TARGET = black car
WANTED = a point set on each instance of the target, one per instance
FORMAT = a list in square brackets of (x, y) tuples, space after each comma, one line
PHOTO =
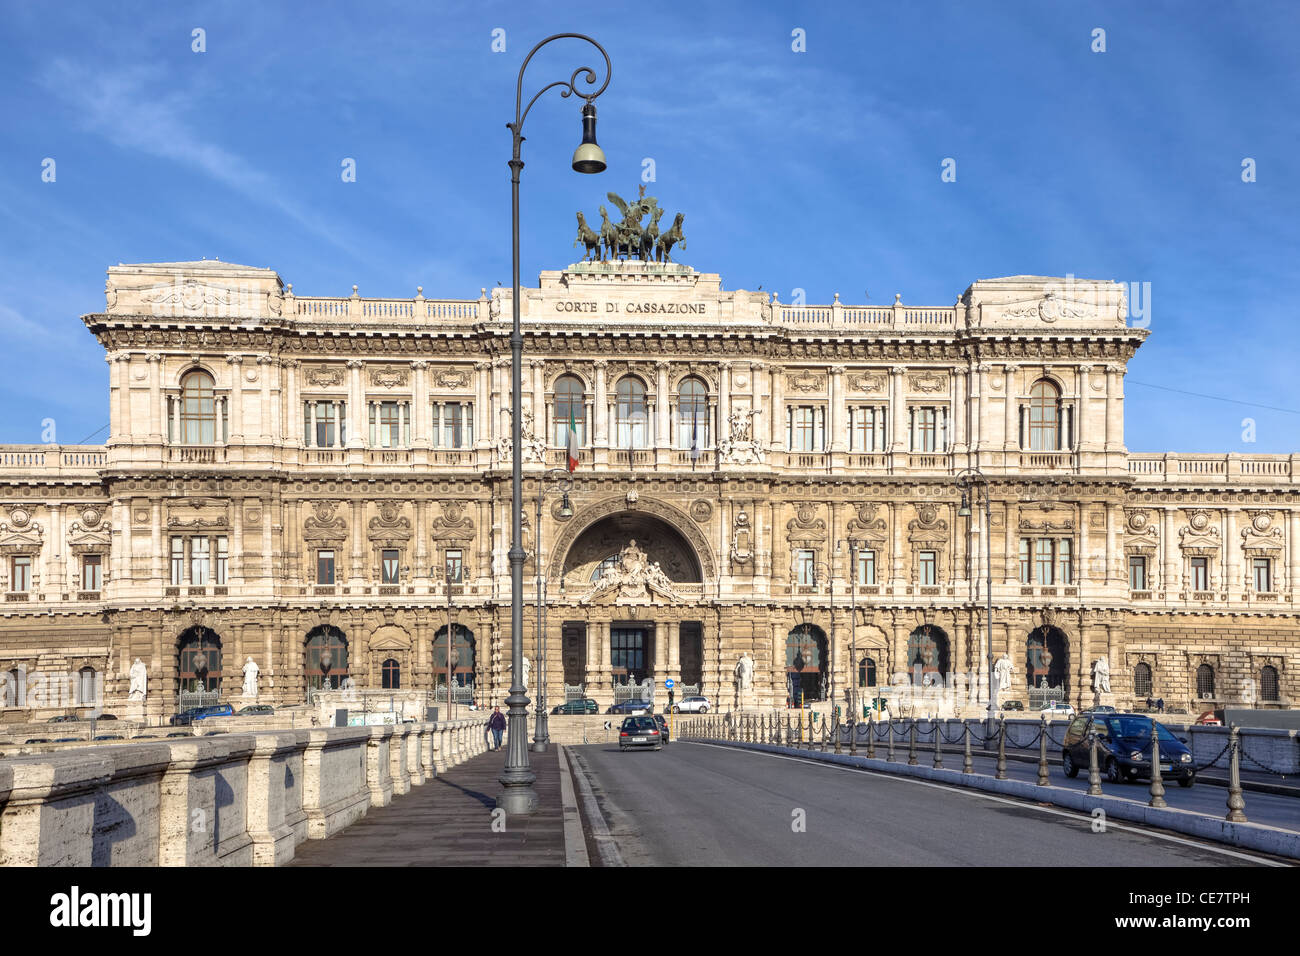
[(640, 731), (583, 706), (631, 707), (664, 732), (1124, 748), (1013, 705)]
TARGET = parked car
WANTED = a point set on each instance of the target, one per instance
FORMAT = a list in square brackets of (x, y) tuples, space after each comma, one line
[(105, 717), (1104, 709), (631, 707), (584, 705), (1056, 709), (67, 740), (642, 731), (1210, 718), (692, 705), (187, 717), (256, 709), (38, 740), (662, 721), (1013, 705), (1124, 748), (109, 737), (63, 719)]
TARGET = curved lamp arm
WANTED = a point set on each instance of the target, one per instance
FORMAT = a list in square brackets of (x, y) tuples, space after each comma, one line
[(570, 87)]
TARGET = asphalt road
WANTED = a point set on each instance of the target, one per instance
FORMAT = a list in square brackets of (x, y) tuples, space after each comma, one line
[(701, 805)]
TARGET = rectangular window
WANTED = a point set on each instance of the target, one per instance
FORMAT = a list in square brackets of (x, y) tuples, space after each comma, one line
[(1026, 569), (325, 567), (388, 567), (326, 424), (1137, 573), (223, 561), (92, 572), (178, 560), (925, 430), (388, 425), (1263, 574), (806, 428), (867, 428), (1064, 573), (866, 567), (21, 569), (1200, 574), (928, 568), (454, 567), (805, 568), (1043, 560), (199, 561)]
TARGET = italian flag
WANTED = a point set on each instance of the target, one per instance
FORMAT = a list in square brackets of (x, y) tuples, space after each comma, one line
[(573, 443)]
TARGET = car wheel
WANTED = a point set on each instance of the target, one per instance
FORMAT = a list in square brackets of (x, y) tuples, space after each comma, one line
[(1113, 773), (1067, 762), (1187, 780), (659, 746), (704, 710)]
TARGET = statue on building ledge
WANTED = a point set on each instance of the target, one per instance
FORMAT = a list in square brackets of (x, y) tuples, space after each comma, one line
[(632, 575), (740, 446)]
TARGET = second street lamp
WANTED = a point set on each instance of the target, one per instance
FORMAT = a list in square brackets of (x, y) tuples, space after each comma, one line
[(967, 480), (519, 797)]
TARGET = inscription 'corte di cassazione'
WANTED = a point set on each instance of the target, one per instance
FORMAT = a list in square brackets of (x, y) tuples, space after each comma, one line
[(644, 308)]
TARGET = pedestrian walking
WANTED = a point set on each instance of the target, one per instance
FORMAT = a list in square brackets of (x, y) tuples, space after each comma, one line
[(497, 724)]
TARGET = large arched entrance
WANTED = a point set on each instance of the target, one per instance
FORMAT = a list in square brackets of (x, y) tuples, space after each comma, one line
[(1047, 661), (325, 658), (460, 668), (805, 663), (927, 655), (198, 666), (599, 547)]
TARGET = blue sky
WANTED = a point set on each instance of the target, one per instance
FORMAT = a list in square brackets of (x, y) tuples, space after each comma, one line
[(817, 170)]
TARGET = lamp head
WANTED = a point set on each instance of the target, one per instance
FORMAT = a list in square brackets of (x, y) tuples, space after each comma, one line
[(588, 157), (566, 509), (964, 510)]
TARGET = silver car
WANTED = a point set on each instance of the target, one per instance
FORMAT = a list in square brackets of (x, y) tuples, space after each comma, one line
[(692, 705)]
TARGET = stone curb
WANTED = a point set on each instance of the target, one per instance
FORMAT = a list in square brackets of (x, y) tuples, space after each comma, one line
[(1251, 836), (575, 843)]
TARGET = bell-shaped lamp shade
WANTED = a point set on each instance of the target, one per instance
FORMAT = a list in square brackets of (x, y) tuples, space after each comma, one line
[(964, 510), (566, 509), (589, 158)]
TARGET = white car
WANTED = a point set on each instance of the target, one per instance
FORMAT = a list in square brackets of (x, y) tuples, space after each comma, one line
[(1056, 709), (692, 705)]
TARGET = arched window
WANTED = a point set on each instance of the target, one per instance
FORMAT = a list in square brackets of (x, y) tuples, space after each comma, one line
[(392, 675), (867, 672), (805, 663), (927, 655), (1268, 689), (692, 414), (199, 660), (198, 409), (326, 660), (87, 693), (462, 657), (1044, 417), (570, 406), (1142, 680), (630, 413), (1205, 682)]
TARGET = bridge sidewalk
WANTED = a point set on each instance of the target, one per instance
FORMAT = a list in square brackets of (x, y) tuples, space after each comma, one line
[(448, 822)]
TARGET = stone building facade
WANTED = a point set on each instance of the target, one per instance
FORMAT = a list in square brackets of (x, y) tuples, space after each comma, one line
[(321, 484)]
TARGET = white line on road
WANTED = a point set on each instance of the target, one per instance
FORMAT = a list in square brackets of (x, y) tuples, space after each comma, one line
[(575, 843), (1069, 814), (609, 855)]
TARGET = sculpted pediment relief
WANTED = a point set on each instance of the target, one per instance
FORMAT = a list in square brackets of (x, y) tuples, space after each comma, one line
[(453, 525), (927, 526), (1261, 535), (389, 526), (1199, 535), (632, 578), (325, 524)]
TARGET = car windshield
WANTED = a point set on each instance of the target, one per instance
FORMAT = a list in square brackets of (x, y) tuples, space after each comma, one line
[(1138, 728)]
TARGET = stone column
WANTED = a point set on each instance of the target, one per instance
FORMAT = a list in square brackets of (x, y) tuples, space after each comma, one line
[(662, 423), (896, 530), (601, 403), (724, 399), (674, 649), (897, 409), (482, 411), (1011, 430), (537, 367), (420, 430), (236, 569), (777, 412), (1011, 554), (265, 414), (1113, 557), (1292, 546), (960, 409), (1115, 408), (1232, 582), (360, 423), (837, 411), (1083, 434), (161, 546), (1171, 580), (236, 399), (292, 404), (155, 398)]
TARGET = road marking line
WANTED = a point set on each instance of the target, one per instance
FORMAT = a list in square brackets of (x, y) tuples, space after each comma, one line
[(609, 855), (1073, 815), (575, 843)]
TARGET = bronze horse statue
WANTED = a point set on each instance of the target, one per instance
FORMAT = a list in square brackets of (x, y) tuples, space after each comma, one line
[(608, 235), (664, 247), (588, 237), (650, 234)]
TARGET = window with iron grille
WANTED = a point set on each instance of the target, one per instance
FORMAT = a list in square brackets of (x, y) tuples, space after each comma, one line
[(1268, 688), (1142, 680), (867, 672), (1205, 682)]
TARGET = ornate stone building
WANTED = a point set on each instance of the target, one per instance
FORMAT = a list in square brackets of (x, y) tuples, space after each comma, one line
[(320, 484)]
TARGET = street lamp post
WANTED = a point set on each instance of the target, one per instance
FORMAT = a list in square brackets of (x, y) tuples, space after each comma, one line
[(519, 797), (563, 483), (853, 628), (966, 480)]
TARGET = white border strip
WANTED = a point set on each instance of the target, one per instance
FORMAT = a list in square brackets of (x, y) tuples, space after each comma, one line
[(575, 844)]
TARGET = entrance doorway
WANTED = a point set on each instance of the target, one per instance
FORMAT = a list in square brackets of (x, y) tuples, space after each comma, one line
[(629, 654), (805, 664)]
